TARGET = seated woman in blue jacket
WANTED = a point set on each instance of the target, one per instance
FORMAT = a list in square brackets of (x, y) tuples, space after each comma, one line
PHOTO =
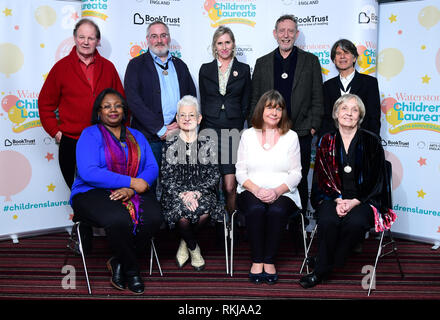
[(115, 168)]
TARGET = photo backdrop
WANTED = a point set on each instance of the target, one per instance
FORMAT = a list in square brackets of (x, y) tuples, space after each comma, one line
[(36, 34), (409, 81)]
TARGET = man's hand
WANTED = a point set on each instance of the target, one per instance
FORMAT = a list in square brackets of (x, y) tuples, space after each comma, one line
[(170, 128), (58, 136)]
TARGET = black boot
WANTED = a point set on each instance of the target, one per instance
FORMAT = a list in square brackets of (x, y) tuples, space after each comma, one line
[(117, 280)]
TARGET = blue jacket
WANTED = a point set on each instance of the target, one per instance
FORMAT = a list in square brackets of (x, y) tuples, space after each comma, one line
[(92, 172)]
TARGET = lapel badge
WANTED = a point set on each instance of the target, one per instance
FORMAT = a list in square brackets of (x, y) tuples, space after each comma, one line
[(235, 73)]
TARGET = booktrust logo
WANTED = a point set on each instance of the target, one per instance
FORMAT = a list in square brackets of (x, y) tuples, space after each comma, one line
[(412, 112), (222, 12), (22, 110)]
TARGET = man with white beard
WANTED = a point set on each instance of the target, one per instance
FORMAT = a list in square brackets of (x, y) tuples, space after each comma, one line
[(154, 82)]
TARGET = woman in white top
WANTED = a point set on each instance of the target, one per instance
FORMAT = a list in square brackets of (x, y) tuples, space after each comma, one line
[(268, 171)]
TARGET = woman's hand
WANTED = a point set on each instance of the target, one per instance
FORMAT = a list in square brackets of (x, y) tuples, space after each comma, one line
[(139, 185), (190, 199), (267, 195), (122, 194), (344, 206)]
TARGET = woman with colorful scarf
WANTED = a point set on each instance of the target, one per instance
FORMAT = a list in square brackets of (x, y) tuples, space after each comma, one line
[(350, 188), (115, 167)]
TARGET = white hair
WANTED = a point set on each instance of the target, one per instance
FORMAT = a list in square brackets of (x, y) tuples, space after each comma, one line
[(188, 101)]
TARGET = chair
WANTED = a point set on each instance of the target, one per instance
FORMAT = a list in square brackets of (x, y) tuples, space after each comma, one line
[(293, 216), (75, 244), (388, 199), (388, 172)]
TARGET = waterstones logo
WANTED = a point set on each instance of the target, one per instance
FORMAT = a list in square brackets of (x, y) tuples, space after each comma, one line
[(412, 112)]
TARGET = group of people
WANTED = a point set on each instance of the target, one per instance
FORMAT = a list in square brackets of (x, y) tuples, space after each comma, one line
[(118, 143)]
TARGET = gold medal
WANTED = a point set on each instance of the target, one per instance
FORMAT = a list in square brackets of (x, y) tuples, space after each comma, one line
[(165, 73)]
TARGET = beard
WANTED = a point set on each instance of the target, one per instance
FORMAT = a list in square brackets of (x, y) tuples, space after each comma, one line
[(160, 51)]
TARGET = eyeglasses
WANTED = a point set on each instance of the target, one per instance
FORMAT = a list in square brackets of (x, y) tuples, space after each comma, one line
[(190, 116), (109, 107), (162, 36)]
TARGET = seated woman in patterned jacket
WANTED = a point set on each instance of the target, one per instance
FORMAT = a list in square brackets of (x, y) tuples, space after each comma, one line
[(189, 177)]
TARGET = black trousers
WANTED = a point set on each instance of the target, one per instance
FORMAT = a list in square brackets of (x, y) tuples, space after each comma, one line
[(94, 207), (67, 159), (305, 143), (265, 224), (337, 236)]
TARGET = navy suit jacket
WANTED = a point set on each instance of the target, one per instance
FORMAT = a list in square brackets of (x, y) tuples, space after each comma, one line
[(367, 88), (143, 92), (238, 91)]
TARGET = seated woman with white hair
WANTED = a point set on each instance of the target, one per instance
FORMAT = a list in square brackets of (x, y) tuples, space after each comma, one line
[(349, 190), (189, 177)]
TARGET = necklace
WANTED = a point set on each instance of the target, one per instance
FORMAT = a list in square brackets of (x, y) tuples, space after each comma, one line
[(347, 168), (164, 68)]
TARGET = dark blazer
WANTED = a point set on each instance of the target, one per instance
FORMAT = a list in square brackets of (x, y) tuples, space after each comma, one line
[(238, 91), (366, 87), (142, 89), (307, 97)]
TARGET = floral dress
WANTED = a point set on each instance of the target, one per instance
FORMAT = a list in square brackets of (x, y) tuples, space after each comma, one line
[(190, 167)]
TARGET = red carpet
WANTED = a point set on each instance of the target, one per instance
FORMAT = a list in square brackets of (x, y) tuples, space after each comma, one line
[(32, 269)]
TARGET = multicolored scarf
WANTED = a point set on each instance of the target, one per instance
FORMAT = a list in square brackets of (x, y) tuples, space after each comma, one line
[(327, 179), (118, 162)]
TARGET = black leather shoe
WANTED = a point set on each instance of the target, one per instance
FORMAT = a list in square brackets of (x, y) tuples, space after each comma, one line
[(135, 284), (117, 279), (257, 277), (271, 278), (310, 280)]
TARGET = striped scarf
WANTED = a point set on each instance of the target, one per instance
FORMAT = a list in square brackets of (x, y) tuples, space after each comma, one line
[(117, 161)]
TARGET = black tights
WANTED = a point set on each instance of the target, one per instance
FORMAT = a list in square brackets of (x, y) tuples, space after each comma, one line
[(265, 224), (188, 231)]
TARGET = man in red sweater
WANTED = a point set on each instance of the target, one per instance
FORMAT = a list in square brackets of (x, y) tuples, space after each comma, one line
[(71, 88)]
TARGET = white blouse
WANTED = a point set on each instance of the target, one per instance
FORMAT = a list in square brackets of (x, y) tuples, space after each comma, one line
[(269, 168)]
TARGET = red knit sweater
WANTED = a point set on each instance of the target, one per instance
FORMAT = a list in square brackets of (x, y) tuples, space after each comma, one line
[(67, 89)]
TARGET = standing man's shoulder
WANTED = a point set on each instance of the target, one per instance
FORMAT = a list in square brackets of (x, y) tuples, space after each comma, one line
[(366, 77), (266, 57), (307, 55), (140, 59)]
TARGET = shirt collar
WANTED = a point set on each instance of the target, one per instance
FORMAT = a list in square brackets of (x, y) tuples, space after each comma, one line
[(347, 78), (157, 59), (91, 61)]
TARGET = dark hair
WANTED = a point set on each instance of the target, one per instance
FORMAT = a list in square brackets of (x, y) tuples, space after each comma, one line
[(85, 20), (346, 46), (286, 17), (275, 99), (98, 101)]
